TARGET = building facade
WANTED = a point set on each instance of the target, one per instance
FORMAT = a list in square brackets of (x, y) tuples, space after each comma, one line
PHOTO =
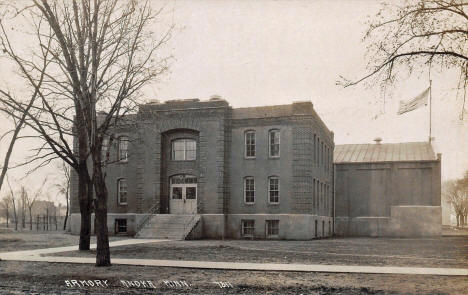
[(260, 172), (387, 190)]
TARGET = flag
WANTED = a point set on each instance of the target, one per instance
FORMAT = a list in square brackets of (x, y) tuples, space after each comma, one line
[(414, 103)]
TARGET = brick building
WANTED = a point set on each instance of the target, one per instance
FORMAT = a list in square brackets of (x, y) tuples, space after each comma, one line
[(202, 169), (205, 169)]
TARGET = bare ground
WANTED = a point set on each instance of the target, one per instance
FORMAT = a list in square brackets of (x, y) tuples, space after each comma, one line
[(49, 278), (434, 252), (29, 240)]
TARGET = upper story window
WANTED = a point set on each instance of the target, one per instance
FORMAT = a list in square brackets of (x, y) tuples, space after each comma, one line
[(122, 191), (249, 190), (184, 149), (250, 144), (274, 138), (104, 148), (273, 190), (123, 148)]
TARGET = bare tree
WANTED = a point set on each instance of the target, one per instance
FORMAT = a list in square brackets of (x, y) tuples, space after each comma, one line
[(23, 201), (417, 35), (31, 199), (64, 188), (12, 201), (99, 55), (456, 193), (5, 203)]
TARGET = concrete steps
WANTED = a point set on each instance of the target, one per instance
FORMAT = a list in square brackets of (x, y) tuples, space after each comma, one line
[(168, 226)]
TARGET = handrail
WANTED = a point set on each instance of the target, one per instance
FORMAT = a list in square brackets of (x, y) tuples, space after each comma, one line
[(190, 225), (146, 218)]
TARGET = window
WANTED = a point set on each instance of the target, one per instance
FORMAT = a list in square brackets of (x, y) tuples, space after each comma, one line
[(248, 228), (272, 228), (321, 153), (176, 193), (183, 178), (250, 144), (122, 191), (123, 148), (120, 226), (317, 151), (184, 149), (104, 148), (313, 193), (316, 233), (249, 190), (325, 160), (273, 190), (319, 195), (315, 148), (274, 136)]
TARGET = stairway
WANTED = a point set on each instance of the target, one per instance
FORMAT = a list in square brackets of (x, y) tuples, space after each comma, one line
[(168, 226)]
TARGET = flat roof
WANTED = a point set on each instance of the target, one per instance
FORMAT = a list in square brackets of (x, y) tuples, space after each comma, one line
[(386, 152)]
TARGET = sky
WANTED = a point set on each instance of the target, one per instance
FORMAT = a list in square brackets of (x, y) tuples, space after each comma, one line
[(255, 53)]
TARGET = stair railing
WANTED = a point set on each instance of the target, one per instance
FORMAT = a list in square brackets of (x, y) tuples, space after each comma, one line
[(146, 218), (189, 224)]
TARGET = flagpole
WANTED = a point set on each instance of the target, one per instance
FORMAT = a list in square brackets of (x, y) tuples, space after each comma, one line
[(430, 111)]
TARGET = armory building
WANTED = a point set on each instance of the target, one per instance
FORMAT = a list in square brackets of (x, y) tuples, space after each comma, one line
[(205, 169), (202, 169)]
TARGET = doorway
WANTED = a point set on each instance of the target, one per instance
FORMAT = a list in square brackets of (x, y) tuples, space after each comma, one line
[(183, 194)]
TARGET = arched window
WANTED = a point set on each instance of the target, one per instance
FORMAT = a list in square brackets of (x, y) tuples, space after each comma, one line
[(122, 191), (104, 148), (274, 146), (184, 149), (273, 190), (123, 148), (249, 190)]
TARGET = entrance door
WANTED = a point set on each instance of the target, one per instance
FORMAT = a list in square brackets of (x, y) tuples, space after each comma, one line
[(183, 194)]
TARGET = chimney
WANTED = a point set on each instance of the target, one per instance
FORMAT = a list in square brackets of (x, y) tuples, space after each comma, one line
[(378, 140)]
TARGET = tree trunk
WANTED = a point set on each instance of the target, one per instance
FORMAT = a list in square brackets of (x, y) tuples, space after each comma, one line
[(30, 219), (23, 216), (66, 214), (15, 215), (7, 216), (458, 220), (102, 235), (85, 197)]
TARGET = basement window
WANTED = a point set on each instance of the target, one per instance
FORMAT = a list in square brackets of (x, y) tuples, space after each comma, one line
[(272, 228), (121, 226), (248, 228)]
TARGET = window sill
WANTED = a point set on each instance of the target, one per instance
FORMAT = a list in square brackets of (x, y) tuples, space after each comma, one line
[(122, 204), (249, 204), (249, 158), (273, 204), (273, 157)]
